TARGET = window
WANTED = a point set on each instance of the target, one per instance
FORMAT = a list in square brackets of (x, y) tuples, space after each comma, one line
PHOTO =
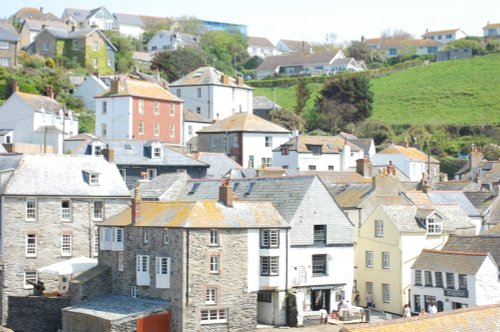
[(156, 129), (151, 173), (311, 167), (142, 269), (104, 130), (418, 277), (31, 245), (386, 260), (319, 265), (66, 210), (93, 179), (268, 141), (251, 162), (213, 316), (235, 142), (214, 264), (4, 62), (393, 52), (369, 258), (434, 226), (214, 237), (331, 168), (96, 242), (178, 93), (157, 151), (95, 46), (449, 36), (439, 279), (95, 62), (66, 244), (4, 45), (284, 150), (140, 129), (211, 296), (162, 272), (172, 130), (264, 296), (123, 173), (141, 106), (75, 45), (31, 276), (172, 110), (165, 236), (266, 162), (369, 287), (428, 278), (156, 108), (315, 149), (104, 108), (133, 292), (198, 92), (386, 293), (45, 45), (190, 130), (145, 235), (223, 145), (119, 261), (379, 228), (198, 110), (450, 280), (269, 265), (30, 209), (319, 234), (462, 281), (269, 238)]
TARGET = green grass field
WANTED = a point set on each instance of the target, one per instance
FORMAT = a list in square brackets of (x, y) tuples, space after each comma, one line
[(452, 92)]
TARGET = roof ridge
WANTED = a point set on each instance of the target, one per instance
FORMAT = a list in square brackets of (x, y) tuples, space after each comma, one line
[(457, 252)]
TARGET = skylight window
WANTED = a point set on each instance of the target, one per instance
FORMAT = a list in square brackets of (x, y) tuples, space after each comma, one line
[(128, 147), (194, 188), (197, 74)]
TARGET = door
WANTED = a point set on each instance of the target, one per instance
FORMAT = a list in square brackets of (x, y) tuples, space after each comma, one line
[(320, 299), (154, 323)]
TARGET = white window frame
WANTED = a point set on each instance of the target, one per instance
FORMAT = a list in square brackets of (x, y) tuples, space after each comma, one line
[(31, 245), (190, 130), (4, 62), (98, 212), (93, 179), (214, 264), (156, 129), (4, 45), (140, 106), (171, 130), (266, 162), (156, 151), (66, 211), (386, 293), (133, 292), (66, 245), (269, 266), (140, 128), (172, 109), (379, 228), (386, 260), (268, 141), (214, 238), (31, 209), (156, 107), (28, 275), (369, 259), (213, 316), (211, 295), (119, 261), (434, 225), (151, 173), (270, 238), (142, 270), (165, 236), (162, 272)]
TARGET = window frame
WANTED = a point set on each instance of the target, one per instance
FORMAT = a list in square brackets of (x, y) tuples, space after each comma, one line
[(140, 106), (428, 282), (214, 264), (25, 277), (439, 280), (98, 212), (268, 141), (266, 162), (214, 238), (386, 260), (386, 293), (171, 131), (320, 235), (434, 225), (31, 245), (269, 266), (151, 173), (324, 265), (418, 278), (462, 281), (66, 245), (172, 109), (66, 212), (213, 316), (140, 128), (449, 277), (269, 238), (369, 259), (156, 107), (379, 228), (165, 236), (156, 129), (31, 211), (211, 295)]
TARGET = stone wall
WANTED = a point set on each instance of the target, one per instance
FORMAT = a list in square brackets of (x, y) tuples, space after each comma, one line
[(77, 322), (36, 313), (91, 284)]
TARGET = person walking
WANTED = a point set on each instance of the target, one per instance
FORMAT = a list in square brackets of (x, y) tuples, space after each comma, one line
[(323, 316), (406, 311), (432, 308), (369, 300), (357, 298)]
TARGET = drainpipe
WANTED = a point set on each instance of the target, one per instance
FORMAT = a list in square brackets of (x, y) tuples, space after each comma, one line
[(287, 305), (187, 267)]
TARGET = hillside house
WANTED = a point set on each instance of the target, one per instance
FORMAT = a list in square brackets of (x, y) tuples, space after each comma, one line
[(129, 25), (139, 110), (32, 13), (444, 36), (491, 30), (392, 47), (165, 40), (99, 18), (32, 27), (261, 47), (9, 46), (213, 94), (289, 46)]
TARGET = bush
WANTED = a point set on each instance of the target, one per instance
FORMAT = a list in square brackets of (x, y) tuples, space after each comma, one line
[(50, 63)]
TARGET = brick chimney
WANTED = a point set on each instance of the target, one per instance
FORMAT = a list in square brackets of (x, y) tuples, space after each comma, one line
[(225, 79), (226, 193), (391, 169), (364, 167), (136, 204), (239, 80), (109, 155), (475, 157)]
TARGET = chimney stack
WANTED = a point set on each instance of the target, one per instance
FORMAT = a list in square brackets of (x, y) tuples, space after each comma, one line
[(136, 204), (50, 91), (225, 79), (226, 193), (391, 170), (239, 80), (364, 167), (109, 155), (476, 156), (115, 86), (406, 144)]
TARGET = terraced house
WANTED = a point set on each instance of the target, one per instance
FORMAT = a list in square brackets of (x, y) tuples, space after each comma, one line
[(89, 48)]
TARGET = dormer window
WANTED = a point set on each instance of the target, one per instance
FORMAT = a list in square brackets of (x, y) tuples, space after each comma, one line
[(92, 178), (284, 150), (315, 149), (156, 150), (96, 148), (432, 222)]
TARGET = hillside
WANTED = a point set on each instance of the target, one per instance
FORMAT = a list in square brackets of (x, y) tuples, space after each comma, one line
[(453, 92)]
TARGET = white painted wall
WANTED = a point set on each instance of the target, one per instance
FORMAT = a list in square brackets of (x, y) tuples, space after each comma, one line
[(90, 88), (130, 30), (302, 161), (118, 118), (195, 126), (160, 41), (254, 144)]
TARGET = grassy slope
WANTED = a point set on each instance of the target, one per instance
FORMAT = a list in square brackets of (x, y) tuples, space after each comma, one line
[(453, 92)]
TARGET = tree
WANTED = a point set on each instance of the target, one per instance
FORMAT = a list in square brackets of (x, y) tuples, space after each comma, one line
[(302, 94), (175, 64), (226, 51), (398, 34), (491, 152), (286, 119), (190, 25), (473, 44), (360, 51), (343, 100), (124, 61)]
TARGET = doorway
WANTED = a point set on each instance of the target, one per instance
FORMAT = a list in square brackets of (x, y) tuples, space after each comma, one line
[(320, 299)]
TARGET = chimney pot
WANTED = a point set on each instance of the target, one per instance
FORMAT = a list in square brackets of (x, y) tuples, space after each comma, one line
[(136, 204), (226, 195), (109, 155)]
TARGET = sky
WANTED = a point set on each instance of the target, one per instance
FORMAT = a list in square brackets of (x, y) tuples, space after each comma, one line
[(301, 19)]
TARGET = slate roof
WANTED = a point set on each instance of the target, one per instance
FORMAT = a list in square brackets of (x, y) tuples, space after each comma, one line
[(259, 41), (440, 32), (189, 116), (404, 217), (2, 149), (7, 35), (450, 261), (482, 243), (61, 175), (207, 76), (32, 12), (136, 88), (220, 163), (80, 33), (296, 45), (339, 177), (445, 198), (134, 152), (37, 102), (243, 122), (202, 214), (410, 153), (271, 63), (38, 25), (264, 103), (350, 195), (455, 185), (363, 143), (473, 319), (78, 14), (493, 175), (161, 185), (329, 144), (128, 19), (10, 161), (81, 137), (480, 199)]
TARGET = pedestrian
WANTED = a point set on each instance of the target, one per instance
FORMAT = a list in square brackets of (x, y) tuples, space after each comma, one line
[(357, 298), (406, 311), (432, 308), (323, 316), (422, 312), (369, 300)]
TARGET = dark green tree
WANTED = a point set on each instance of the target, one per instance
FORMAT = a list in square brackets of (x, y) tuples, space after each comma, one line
[(302, 94), (226, 50), (286, 119), (343, 100), (360, 51), (175, 64)]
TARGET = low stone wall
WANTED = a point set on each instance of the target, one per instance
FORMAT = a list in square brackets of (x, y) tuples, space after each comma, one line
[(36, 313), (93, 283)]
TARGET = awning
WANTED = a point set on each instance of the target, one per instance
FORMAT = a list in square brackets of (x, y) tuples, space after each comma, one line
[(327, 287), (70, 266)]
